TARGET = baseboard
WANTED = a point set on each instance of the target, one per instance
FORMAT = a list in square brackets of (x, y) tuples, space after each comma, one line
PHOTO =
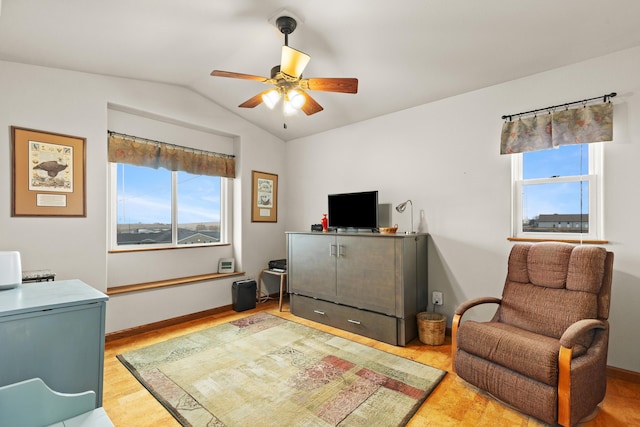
[(623, 374), (126, 333), (136, 330)]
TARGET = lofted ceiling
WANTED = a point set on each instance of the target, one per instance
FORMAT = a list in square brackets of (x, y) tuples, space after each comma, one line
[(404, 52)]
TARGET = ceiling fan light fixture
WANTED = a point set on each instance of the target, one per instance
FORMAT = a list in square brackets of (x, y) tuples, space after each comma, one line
[(271, 98), (296, 99), (288, 109), (293, 62)]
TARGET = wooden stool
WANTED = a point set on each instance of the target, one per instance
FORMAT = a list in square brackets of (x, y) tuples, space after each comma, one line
[(283, 279)]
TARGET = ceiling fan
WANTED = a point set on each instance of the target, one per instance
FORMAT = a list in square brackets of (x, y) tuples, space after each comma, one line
[(288, 81)]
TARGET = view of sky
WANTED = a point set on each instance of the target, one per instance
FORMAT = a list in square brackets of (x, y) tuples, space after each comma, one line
[(562, 161), (144, 196), (556, 198)]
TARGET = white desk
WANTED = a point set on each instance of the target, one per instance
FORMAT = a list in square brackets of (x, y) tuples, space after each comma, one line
[(283, 281)]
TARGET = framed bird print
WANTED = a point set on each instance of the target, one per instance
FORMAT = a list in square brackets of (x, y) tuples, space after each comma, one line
[(48, 174)]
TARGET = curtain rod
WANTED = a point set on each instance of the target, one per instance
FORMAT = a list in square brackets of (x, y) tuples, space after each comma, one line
[(604, 99), (153, 141)]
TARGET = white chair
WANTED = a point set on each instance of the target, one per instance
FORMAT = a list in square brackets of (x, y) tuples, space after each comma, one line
[(31, 403)]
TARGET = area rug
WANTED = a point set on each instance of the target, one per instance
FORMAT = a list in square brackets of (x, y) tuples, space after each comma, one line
[(263, 370)]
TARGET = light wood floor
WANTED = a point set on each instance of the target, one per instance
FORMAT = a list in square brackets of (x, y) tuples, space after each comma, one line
[(452, 403)]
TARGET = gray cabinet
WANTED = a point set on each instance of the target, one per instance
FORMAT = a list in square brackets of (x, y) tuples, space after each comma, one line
[(54, 331), (370, 284), (311, 265)]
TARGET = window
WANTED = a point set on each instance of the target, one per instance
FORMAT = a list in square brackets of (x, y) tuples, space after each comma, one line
[(164, 195), (160, 208), (557, 193)]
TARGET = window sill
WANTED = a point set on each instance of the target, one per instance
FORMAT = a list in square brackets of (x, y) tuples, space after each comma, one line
[(531, 239), (163, 248), (137, 287)]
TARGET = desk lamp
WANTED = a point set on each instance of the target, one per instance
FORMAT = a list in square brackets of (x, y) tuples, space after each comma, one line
[(401, 207)]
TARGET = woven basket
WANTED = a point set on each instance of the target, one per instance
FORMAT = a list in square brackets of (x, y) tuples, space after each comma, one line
[(388, 230), (431, 327)]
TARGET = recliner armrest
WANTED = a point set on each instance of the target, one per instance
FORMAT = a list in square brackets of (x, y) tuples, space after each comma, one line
[(474, 302), (578, 329), (568, 341)]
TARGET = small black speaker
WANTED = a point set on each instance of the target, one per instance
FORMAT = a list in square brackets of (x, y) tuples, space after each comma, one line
[(243, 295)]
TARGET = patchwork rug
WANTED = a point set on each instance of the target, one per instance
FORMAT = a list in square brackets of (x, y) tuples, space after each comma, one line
[(263, 370)]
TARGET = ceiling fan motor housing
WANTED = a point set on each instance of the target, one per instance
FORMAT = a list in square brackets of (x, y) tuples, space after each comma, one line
[(286, 24)]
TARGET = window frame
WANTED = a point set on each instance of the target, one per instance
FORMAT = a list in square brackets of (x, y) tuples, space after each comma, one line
[(225, 216), (594, 177)]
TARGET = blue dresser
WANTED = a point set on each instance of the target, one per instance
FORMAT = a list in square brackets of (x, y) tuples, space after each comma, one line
[(54, 331)]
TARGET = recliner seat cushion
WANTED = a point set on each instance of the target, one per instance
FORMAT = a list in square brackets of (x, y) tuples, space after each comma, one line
[(528, 353)]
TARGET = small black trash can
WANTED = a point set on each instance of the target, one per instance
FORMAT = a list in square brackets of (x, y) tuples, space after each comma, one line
[(243, 295)]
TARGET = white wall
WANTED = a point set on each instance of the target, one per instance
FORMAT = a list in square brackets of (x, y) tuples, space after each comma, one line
[(445, 157), (77, 104)]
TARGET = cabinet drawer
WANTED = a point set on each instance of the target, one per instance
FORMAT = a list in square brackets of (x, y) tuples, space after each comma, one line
[(361, 322)]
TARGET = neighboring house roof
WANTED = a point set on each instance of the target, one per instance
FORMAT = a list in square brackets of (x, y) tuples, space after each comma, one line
[(207, 236), (562, 217), (164, 236)]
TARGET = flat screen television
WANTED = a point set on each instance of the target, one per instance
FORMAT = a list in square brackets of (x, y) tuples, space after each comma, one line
[(354, 210)]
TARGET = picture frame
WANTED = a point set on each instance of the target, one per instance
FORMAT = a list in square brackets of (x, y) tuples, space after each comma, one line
[(48, 174), (264, 197)]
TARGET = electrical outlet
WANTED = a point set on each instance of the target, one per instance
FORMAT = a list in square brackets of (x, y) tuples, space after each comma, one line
[(436, 297)]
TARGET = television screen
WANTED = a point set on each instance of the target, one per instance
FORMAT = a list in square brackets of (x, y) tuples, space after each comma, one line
[(354, 210)]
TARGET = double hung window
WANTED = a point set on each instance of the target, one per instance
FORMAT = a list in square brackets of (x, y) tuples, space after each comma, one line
[(557, 193)]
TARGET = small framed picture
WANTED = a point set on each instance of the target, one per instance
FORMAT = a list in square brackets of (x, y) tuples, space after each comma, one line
[(48, 174), (264, 197)]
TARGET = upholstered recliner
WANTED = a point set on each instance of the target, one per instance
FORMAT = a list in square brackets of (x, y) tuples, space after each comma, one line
[(544, 352)]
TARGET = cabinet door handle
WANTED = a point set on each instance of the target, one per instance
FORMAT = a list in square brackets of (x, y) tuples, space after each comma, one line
[(332, 250), (340, 251), (319, 312), (357, 322)]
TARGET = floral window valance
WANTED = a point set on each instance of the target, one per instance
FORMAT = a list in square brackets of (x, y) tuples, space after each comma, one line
[(143, 152), (570, 126)]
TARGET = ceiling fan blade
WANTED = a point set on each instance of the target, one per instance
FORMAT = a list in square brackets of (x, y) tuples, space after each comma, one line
[(310, 105), (219, 73), (344, 85), (254, 101), (293, 62)]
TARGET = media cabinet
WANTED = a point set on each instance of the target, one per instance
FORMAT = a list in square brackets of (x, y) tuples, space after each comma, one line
[(367, 283)]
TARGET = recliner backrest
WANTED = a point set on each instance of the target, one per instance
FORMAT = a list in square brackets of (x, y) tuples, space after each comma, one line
[(551, 285)]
